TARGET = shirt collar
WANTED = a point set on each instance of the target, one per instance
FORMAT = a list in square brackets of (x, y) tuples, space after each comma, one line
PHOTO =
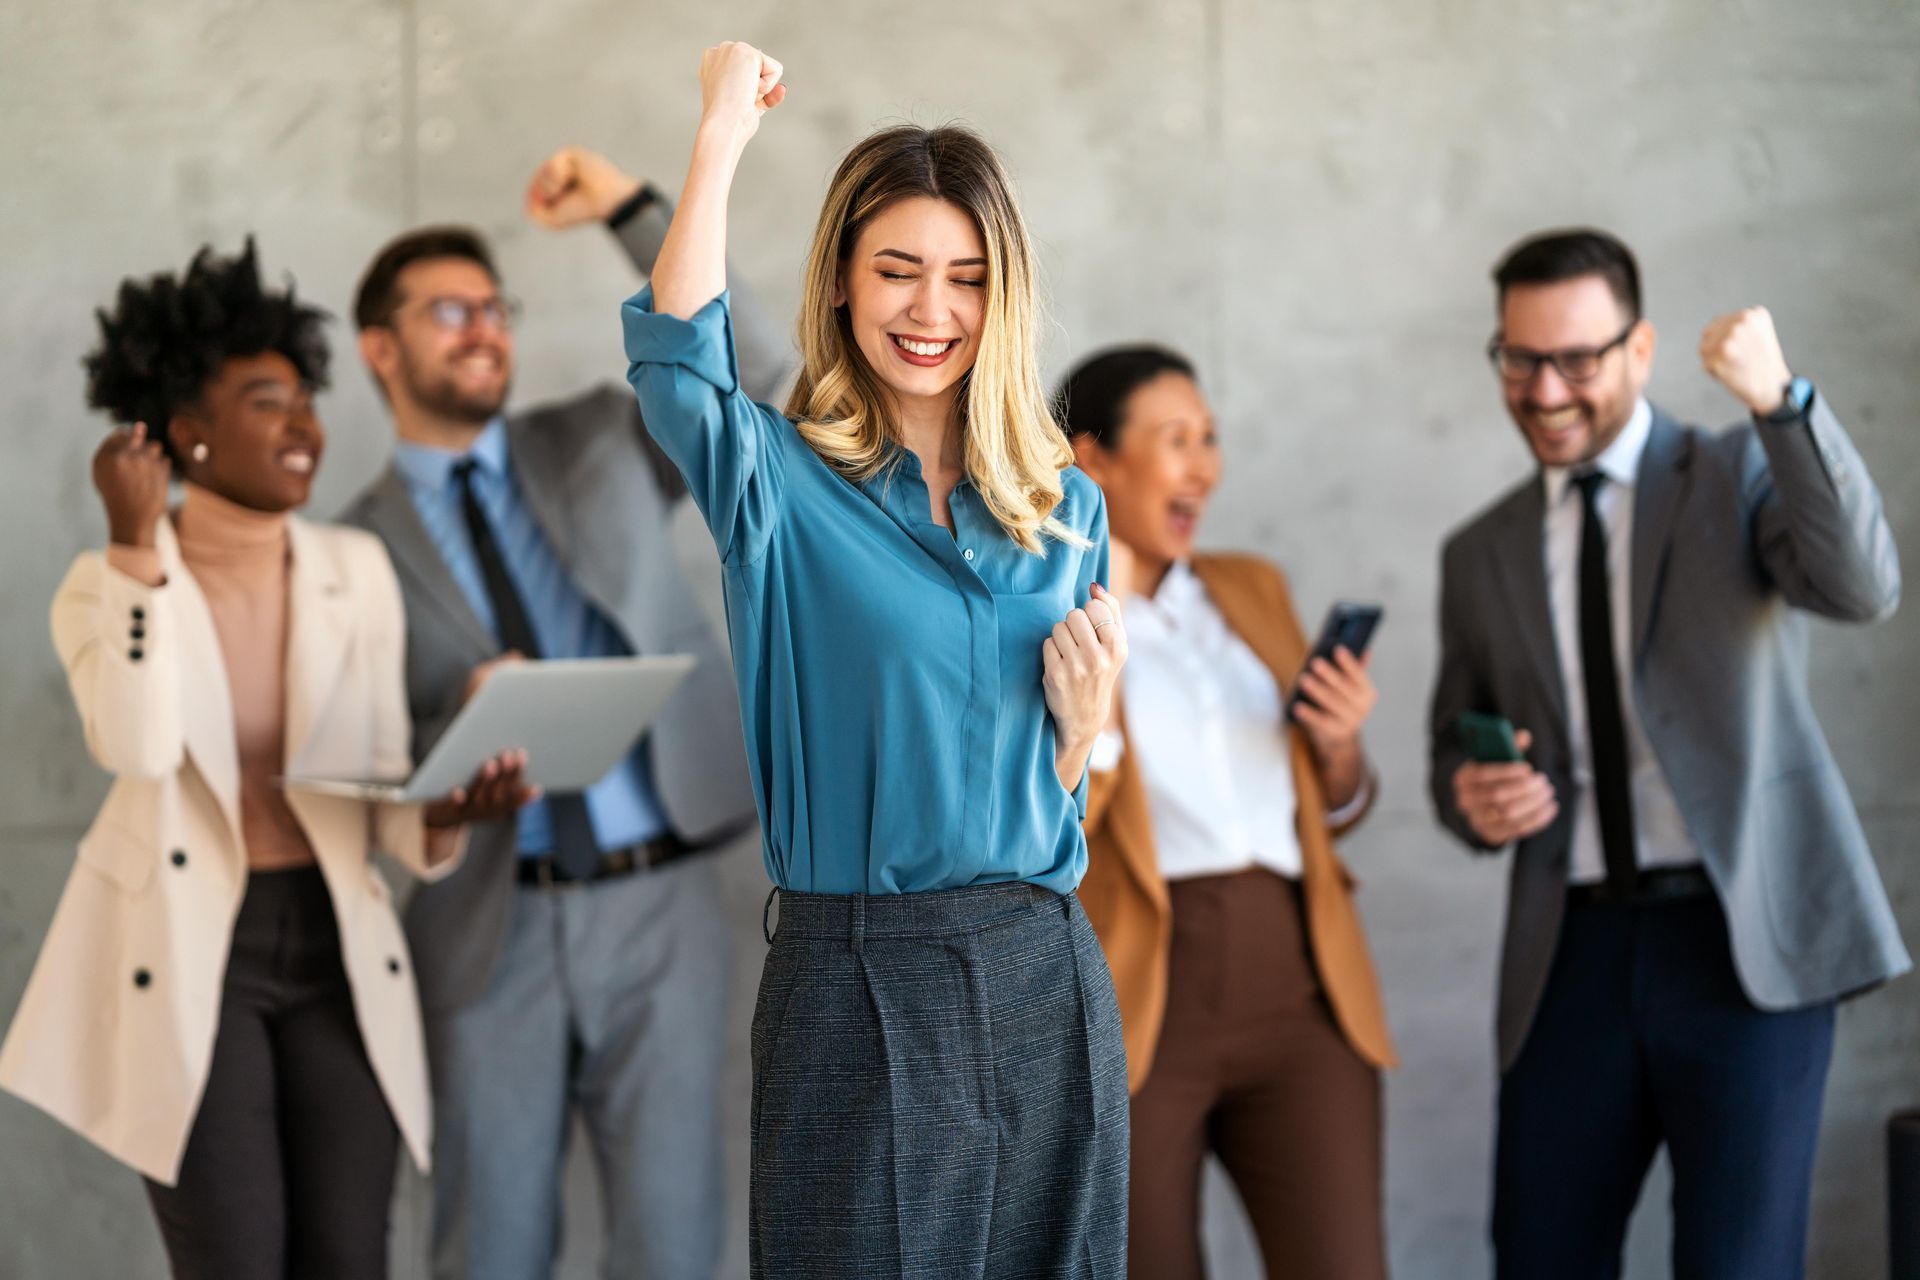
[(428, 467), (1619, 461), (1179, 591)]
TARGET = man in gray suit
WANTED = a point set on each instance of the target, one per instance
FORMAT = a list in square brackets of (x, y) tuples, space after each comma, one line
[(577, 963), (1691, 890)]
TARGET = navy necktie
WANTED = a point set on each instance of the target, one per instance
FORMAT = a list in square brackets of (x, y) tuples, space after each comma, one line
[(576, 853)]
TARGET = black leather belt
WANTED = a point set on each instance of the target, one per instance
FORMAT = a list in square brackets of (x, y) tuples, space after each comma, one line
[(1656, 884), (544, 873)]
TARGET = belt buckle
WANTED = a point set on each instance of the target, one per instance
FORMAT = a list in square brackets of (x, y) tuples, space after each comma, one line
[(544, 874)]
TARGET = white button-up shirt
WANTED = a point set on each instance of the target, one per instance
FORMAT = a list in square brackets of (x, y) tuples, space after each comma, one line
[(1205, 723), (1660, 833)]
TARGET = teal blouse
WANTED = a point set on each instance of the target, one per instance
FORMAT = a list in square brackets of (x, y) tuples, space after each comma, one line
[(889, 669)]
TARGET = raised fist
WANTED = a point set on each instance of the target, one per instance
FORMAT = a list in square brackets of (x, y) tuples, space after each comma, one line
[(1742, 351), (575, 185), (131, 473), (738, 85)]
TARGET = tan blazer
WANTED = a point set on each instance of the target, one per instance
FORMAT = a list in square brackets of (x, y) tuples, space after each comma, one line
[(1125, 896), (116, 1030)]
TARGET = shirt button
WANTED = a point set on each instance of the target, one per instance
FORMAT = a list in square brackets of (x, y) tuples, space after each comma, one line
[(968, 553), (141, 977), (135, 654), (139, 614), (179, 857), (393, 964)]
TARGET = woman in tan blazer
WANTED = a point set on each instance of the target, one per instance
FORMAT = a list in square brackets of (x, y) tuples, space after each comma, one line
[(1252, 1016), (224, 1000)]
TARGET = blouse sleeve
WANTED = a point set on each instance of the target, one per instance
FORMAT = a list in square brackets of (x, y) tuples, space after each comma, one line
[(687, 378)]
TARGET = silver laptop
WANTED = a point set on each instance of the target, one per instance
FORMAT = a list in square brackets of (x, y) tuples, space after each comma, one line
[(575, 718)]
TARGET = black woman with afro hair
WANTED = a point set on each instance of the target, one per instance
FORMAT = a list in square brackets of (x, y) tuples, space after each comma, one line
[(223, 1000)]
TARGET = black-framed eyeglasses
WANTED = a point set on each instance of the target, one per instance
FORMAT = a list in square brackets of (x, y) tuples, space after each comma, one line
[(1574, 364), (456, 314)]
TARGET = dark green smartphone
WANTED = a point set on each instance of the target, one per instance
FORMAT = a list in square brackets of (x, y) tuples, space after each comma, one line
[(1487, 739)]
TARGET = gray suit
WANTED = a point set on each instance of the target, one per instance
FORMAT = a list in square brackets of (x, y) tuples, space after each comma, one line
[(608, 1000), (1733, 536), (603, 494)]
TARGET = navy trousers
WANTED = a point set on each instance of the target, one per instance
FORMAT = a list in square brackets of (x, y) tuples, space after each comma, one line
[(1644, 1037)]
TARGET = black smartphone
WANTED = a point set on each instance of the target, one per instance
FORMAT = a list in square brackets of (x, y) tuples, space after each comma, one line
[(1487, 739), (1349, 626)]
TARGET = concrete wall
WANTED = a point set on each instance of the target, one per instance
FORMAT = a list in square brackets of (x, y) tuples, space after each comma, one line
[(1305, 194)]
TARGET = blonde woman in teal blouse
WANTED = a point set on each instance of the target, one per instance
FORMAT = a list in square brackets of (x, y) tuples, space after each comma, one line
[(925, 655)]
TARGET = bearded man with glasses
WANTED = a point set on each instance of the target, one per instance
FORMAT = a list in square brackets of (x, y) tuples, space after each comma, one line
[(577, 964), (1691, 890)]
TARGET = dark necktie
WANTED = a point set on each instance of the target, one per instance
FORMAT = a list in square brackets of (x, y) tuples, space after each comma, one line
[(575, 851), (1606, 730)]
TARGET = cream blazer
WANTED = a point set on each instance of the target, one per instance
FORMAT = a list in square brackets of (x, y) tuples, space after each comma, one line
[(115, 1033)]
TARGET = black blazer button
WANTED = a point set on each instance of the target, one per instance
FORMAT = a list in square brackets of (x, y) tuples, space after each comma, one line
[(393, 964), (136, 653), (179, 858), (141, 977)]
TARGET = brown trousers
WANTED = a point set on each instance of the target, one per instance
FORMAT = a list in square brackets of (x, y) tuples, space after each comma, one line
[(1252, 1067)]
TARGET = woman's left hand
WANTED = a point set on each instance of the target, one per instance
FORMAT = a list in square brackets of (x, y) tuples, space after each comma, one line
[(1080, 662), (498, 789), (1342, 696)]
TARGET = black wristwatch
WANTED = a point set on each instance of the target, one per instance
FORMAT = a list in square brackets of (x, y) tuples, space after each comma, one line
[(1795, 399), (632, 205)]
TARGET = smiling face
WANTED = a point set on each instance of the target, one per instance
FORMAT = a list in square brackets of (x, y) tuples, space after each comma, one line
[(263, 441), (1567, 423), (915, 288), (1160, 471), (447, 348)]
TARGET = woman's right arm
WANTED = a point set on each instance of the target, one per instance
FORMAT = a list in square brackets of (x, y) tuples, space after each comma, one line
[(113, 624), (738, 85), (679, 340)]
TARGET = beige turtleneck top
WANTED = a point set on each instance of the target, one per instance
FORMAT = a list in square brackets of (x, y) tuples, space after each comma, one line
[(241, 560)]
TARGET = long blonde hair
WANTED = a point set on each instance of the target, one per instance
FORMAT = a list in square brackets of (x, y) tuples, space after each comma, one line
[(1012, 449)]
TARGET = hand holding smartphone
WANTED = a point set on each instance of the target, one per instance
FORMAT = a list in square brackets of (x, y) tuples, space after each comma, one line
[(1350, 626)]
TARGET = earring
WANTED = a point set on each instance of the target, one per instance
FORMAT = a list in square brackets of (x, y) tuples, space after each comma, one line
[(200, 452)]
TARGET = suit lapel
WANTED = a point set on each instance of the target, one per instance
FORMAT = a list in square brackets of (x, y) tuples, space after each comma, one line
[(1657, 493), (392, 515), (319, 636), (545, 479), (207, 710), (1278, 647), (535, 468), (1519, 550)]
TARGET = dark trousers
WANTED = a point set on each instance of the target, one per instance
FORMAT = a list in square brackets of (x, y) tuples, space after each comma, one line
[(1251, 1066), (289, 1169), (939, 1091), (1644, 1036)]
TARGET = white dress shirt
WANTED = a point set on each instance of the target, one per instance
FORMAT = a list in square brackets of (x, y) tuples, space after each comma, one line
[(1205, 723), (1660, 833)]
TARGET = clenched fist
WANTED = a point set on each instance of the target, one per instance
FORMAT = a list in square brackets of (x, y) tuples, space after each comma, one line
[(575, 185), (738, 85), (1080, 662), (131, 472), (1743, 352)]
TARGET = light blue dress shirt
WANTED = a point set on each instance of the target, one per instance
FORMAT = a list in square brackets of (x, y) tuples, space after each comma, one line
[(889, 669), (622, 806)]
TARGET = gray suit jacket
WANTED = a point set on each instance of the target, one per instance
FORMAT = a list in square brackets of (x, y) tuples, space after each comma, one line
[(1733, 535), (603, 494)]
